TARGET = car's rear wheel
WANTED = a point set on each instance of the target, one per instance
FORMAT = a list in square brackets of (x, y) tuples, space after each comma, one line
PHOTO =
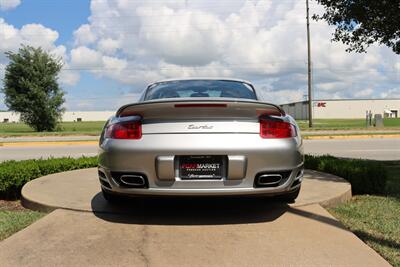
[(110, 197), (290, 197)]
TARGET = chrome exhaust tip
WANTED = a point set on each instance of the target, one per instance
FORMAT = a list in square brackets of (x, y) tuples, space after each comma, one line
[(133, 180), (269, 179), (300, 174)]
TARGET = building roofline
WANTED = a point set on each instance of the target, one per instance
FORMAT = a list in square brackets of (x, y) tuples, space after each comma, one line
[(344, 99), (356, 99), (305, 101)]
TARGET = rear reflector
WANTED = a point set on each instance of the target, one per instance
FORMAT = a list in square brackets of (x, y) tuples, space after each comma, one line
[(200, 105), (125, 130), (276, 129)]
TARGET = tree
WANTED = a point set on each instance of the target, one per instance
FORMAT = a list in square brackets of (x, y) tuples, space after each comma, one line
[(360, 23), (31, 87)]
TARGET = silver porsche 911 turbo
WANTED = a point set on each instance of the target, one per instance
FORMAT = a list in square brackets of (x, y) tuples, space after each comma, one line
[(201, 137)]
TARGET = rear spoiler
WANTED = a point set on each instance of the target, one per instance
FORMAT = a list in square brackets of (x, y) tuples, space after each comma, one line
[(182, 108)]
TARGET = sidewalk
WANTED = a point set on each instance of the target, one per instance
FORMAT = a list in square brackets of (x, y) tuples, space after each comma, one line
[(303, 236)]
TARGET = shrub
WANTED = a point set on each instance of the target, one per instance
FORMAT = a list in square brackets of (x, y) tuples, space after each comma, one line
[(365, 176), (14, 174)]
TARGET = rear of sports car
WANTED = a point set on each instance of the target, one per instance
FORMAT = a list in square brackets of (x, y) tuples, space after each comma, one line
[(200, 147)]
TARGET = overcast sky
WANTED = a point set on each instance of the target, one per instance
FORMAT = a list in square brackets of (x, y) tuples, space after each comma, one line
[(113, 48)]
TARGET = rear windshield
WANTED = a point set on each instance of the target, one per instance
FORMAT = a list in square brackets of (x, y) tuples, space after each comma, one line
[(200, 88)]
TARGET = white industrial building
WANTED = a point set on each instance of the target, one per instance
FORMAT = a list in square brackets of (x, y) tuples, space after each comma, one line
[(344, 108), (68, 116)]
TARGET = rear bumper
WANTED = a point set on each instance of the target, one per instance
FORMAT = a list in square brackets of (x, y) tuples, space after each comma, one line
[(248, 155)]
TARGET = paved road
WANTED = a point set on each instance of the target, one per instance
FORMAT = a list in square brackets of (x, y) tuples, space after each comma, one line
[(18, 139), (35, 152), (373, 148)]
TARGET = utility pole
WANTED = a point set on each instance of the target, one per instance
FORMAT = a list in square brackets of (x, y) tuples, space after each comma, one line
[(310, 107)]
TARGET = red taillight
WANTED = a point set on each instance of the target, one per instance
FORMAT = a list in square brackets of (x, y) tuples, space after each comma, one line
[(276, 129), (125, 130)]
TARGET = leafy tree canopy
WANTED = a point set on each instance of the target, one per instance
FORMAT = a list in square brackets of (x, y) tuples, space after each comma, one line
[(31, 87), (360, 23)]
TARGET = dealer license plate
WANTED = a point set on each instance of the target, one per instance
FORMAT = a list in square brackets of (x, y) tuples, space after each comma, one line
[(201, 167)]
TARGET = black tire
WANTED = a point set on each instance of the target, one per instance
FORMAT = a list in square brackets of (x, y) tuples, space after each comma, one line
[(111, 198), (290, 197)]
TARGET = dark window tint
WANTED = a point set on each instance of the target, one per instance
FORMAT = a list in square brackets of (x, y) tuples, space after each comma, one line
[(200, 88)]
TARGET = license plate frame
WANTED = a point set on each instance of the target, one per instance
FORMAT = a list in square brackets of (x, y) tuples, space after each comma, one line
[(202, 167)]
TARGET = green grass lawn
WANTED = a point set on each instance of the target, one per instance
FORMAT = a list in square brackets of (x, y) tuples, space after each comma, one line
[(376, 219), (14, 221), (393, 183), (13, 218), (65, 128), (347, 124)]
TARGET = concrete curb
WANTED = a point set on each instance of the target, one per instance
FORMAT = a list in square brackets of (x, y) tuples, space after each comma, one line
[(37, 206), (333, 202), (31, 204)]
